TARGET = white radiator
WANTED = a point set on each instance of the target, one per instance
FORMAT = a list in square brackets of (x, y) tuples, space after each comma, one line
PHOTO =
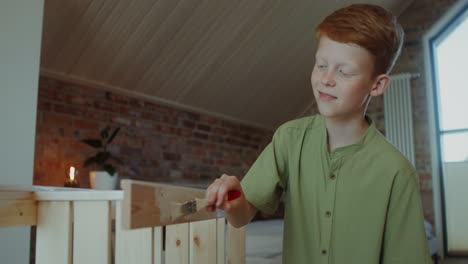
[(398, 114)]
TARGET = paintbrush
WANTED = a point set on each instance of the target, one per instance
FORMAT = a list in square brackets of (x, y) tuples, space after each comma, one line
[(192, 206)]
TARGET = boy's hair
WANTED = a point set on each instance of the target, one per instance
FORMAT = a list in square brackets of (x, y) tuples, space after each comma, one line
[(369, 26)]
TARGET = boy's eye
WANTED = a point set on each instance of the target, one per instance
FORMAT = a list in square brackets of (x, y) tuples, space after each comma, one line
[(345, 73), (320, 66)]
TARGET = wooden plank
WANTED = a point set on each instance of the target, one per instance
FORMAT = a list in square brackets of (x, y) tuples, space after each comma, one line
[(220, 240), (149, 204), (91, 232), (53, 237), (236, 245), (18, 212), (72, 194), (203, 242), (158, 245), (132, 246), (11, 193), (177, 244)]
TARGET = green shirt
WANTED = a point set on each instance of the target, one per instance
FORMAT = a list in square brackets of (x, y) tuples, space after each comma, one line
[(359, 204)]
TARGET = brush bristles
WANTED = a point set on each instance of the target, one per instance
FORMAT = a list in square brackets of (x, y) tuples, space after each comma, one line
[(189, 207)]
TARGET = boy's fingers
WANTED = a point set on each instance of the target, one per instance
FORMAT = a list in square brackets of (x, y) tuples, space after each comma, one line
[(216, 193), (222, 192), (211, 208), (212, 192)]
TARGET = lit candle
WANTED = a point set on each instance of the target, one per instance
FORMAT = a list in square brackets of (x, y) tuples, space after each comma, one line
[(72, 173), (71, 181)]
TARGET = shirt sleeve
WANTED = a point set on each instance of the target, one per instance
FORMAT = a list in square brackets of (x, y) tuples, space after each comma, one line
[(405, 239), (266, 179)]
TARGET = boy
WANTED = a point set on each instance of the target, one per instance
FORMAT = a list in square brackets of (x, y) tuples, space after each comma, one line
[(350, 196)]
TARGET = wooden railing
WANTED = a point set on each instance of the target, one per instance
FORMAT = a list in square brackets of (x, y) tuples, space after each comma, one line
[(85, 226)]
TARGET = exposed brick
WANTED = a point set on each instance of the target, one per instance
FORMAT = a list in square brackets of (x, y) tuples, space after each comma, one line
[(200, 152), (44, 106), (85, 124), (121, 120), (57, 120), (185, 132), (209, 120), (219, 130), (200, 135), (203, 127), (156, 142)]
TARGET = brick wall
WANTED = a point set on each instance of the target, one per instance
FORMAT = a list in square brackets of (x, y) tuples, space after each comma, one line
[(156, 142)]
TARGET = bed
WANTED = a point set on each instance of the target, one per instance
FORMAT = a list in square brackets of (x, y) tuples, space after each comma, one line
[(264, 242)]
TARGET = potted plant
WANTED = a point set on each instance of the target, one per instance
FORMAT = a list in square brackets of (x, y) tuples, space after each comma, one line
[(104, 173)]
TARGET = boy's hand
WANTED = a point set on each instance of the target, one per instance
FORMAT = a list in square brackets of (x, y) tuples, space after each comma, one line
[(217, 194)]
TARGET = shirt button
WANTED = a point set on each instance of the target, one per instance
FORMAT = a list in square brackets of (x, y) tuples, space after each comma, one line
[(332, 176), (324, 251), (328, 214)]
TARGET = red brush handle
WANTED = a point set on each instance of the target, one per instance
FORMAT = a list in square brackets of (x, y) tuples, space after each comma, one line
[(233, 195)]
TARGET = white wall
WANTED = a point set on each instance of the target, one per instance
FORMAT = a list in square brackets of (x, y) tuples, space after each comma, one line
[(20, 40), (456, 202)]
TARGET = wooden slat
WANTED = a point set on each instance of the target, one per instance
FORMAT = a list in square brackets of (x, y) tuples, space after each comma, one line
[(7, 192), (177, 244), (18, 212), (158, 245), (71, 194), (132, 246), (236, 245), (203, 242), (91, 232), (149, 204), (53, 237), (220, 240)]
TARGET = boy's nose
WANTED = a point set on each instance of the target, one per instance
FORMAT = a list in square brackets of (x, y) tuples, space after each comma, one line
[(328, 78)]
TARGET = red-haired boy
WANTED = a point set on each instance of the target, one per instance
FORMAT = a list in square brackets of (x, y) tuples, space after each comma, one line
[(350, 196)]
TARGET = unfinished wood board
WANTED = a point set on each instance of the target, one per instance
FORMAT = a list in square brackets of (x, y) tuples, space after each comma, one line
[(158, 245), (17, 207), (177, 244), (220, 240), (73, 194), (132, 246), (8, 192), (53, 235), (91, 232), (18, 212), (203, 242), (236, 245), (149, 204)]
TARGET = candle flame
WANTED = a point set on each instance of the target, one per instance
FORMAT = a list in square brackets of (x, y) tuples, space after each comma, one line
[(72, 173)]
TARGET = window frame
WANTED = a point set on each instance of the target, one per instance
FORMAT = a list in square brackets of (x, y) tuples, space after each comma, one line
[(437, 33)]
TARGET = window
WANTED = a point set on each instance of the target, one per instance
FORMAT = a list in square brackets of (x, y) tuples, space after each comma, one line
[(451, 56), (446, 46)]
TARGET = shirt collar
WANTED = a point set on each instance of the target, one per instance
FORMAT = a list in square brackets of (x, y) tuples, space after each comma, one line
[(371, 131)]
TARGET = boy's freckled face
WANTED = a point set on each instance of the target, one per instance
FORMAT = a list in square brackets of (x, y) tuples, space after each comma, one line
[(341, 78)]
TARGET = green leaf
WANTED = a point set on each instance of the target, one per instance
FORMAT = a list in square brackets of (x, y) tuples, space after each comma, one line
[(105, 132), (102, 156), (109, 168), (113, 135), (93, 142), (89, 161)]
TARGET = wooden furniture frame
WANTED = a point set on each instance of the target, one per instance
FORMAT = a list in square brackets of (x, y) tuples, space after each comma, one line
[(85, 226)]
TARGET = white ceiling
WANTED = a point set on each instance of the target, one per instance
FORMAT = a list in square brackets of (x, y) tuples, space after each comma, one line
[(245, 60)]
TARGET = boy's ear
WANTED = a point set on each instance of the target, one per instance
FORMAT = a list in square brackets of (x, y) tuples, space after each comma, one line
[(380, 85)]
